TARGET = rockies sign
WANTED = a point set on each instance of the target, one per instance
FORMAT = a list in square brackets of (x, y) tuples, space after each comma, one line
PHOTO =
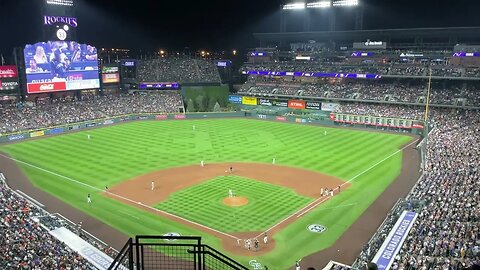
[(317, 228)]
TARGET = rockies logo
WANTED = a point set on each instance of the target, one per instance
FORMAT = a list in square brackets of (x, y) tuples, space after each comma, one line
[(255, 265), (171, 234), (317, 228)]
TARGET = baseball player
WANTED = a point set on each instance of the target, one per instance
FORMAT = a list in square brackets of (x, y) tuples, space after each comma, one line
[(321, 191), (249, 244), (331, 192), (297, 265), (106, 188), (273, 161), (89, 199), (153, 185), (230, 193), (265, 238), (202, 163), (231, 169), (88, 136), (256, 244), (193, 127), (325, 133)]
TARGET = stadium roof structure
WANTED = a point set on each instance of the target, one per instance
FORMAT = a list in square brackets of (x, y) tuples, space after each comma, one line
[(420, 37)]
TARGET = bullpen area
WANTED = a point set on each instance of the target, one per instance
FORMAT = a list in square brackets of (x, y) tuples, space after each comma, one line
[(296, 189)]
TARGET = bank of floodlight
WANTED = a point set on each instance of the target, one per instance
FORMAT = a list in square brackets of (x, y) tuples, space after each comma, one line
[(294, 6), (345, 3), (68, 3), (320, 4)]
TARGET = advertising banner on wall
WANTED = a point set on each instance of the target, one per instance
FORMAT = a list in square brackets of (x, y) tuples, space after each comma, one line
[(327, 106), (280, 103), (235, 99), (394, 241), (313, 105), (249, 100), (264, 102), (8, 72), (373, 45), (296, 104), (110, 78)]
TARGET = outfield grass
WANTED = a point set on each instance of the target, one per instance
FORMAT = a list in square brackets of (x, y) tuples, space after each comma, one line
[(202, 203), (120, 152)]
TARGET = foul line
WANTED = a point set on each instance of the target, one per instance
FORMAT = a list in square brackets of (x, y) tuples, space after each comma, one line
[(116, 195), (320, 200)]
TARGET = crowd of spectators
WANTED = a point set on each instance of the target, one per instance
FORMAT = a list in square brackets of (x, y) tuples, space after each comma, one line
[(26, 244), (27, 116), (392, 68), (182, 69), (446, 234), (404, 91), (447, 231)]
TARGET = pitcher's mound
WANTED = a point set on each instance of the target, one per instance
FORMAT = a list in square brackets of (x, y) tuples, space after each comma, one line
[(235, 201)]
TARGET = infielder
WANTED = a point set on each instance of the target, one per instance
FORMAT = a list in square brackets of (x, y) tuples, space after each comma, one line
[(202, 163), (153, 185), (297, 265), (89, 199), (265, 238), (273, 161)]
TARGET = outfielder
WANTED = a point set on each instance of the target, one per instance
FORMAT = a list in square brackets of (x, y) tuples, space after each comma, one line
[(89, 199), (88, 136), (230, 193), (153, 185)]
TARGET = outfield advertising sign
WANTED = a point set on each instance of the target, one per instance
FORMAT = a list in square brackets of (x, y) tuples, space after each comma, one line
[(249, 100), (235, 99), (180, 116), (161, 117), (281, 118), (37, 134), (264, 102), (394, 241), (311, 105), (16, 137), (280, 103), (296, 104)]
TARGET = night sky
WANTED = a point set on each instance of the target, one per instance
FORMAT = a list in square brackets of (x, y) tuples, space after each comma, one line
[(219, 24)]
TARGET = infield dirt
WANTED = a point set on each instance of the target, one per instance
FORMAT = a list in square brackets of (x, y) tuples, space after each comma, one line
[(140, 194)]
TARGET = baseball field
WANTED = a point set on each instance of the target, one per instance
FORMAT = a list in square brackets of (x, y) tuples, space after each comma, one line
[(155, 184)]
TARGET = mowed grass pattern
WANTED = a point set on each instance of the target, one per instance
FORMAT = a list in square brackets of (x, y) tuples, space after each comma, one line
[(203, 203), (117, 153)]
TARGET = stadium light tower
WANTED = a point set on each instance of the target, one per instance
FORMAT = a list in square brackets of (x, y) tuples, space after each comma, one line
[(68, 3), (330, 5)]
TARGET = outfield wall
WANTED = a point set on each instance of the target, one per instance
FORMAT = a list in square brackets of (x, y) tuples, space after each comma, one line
[(109, 121), (321, 118)]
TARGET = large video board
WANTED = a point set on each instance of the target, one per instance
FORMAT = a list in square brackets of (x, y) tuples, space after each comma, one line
[(58, 66)]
